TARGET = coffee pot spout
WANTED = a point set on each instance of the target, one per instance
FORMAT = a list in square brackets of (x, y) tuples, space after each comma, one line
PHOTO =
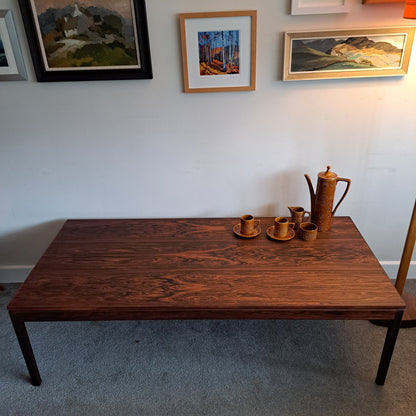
[(312, 192)]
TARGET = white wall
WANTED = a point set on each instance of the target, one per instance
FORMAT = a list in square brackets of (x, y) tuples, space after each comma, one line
[(143, 148)]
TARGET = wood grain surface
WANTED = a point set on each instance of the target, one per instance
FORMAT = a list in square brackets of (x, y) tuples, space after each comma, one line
[(198, 269)]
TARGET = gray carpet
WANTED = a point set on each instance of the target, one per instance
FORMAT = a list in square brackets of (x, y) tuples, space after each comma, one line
[(206, 368)]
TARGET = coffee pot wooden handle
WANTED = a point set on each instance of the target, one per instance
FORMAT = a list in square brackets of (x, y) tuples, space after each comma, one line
[(345, 193)]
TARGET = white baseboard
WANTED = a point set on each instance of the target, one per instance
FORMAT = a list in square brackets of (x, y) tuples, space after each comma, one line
[(392, 267), (14, 274), (17, 274)]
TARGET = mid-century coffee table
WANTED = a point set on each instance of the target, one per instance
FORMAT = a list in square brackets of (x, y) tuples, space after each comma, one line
[(134, 269)]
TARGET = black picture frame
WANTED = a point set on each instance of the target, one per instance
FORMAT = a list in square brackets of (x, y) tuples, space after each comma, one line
[(44, 74)]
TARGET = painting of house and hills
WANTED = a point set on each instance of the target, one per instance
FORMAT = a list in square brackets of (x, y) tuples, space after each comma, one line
[(348, 53), (87, 34)]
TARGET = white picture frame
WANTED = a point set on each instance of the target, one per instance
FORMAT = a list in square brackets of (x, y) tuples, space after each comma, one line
[(12, 67), (320, 7)]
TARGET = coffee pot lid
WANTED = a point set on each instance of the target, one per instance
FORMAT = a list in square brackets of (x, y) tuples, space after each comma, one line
[(327, 174)]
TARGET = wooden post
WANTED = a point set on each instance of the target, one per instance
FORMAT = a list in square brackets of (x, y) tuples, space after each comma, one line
[(407, 254), (409, 317)]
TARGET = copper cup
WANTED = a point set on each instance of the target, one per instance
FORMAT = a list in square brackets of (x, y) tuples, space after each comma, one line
[(282, 227), (308, 231), (298, 215), (248, 224)]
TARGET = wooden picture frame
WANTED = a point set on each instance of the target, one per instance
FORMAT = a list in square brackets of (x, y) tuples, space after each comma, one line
[(347, 53), (321, 7), (88, 41), (219, 51), (12, 67)]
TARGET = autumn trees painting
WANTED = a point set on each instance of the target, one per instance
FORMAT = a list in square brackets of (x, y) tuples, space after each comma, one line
[(219, 52)]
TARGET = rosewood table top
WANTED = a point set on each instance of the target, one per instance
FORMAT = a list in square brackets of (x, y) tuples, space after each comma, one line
[(198, 269)]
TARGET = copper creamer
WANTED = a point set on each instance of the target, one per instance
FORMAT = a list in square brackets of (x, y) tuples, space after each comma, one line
[(322, 201)]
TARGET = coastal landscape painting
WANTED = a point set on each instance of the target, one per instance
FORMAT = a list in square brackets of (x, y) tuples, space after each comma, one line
[(348, 54), (87, 35), (3, 59)]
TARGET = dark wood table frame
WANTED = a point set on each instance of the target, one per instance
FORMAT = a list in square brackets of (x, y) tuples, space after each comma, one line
[(134, 269)]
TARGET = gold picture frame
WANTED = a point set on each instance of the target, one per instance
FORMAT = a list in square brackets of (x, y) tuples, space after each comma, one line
[(347, 53), (219, 51)]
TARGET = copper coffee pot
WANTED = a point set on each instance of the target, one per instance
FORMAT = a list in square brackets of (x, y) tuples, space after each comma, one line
[(322, 201)]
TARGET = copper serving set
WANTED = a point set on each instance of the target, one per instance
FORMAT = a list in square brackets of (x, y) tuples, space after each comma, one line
[(319, 217)]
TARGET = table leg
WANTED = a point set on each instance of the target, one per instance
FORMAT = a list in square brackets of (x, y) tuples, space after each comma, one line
[(24, 342), (391, 336)]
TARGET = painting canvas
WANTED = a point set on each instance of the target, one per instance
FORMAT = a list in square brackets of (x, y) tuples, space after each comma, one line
[(343, 53), (219, 52), (88, 35), (348, 53), (3, 59)]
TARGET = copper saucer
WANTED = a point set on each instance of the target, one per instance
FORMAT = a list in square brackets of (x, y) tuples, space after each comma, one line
[(270, 233), (237, 231)]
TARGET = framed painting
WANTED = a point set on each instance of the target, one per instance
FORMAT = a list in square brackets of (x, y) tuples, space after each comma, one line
[(12, 67), (347, 53), (219, 51), (320, 7), (80, 40)]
